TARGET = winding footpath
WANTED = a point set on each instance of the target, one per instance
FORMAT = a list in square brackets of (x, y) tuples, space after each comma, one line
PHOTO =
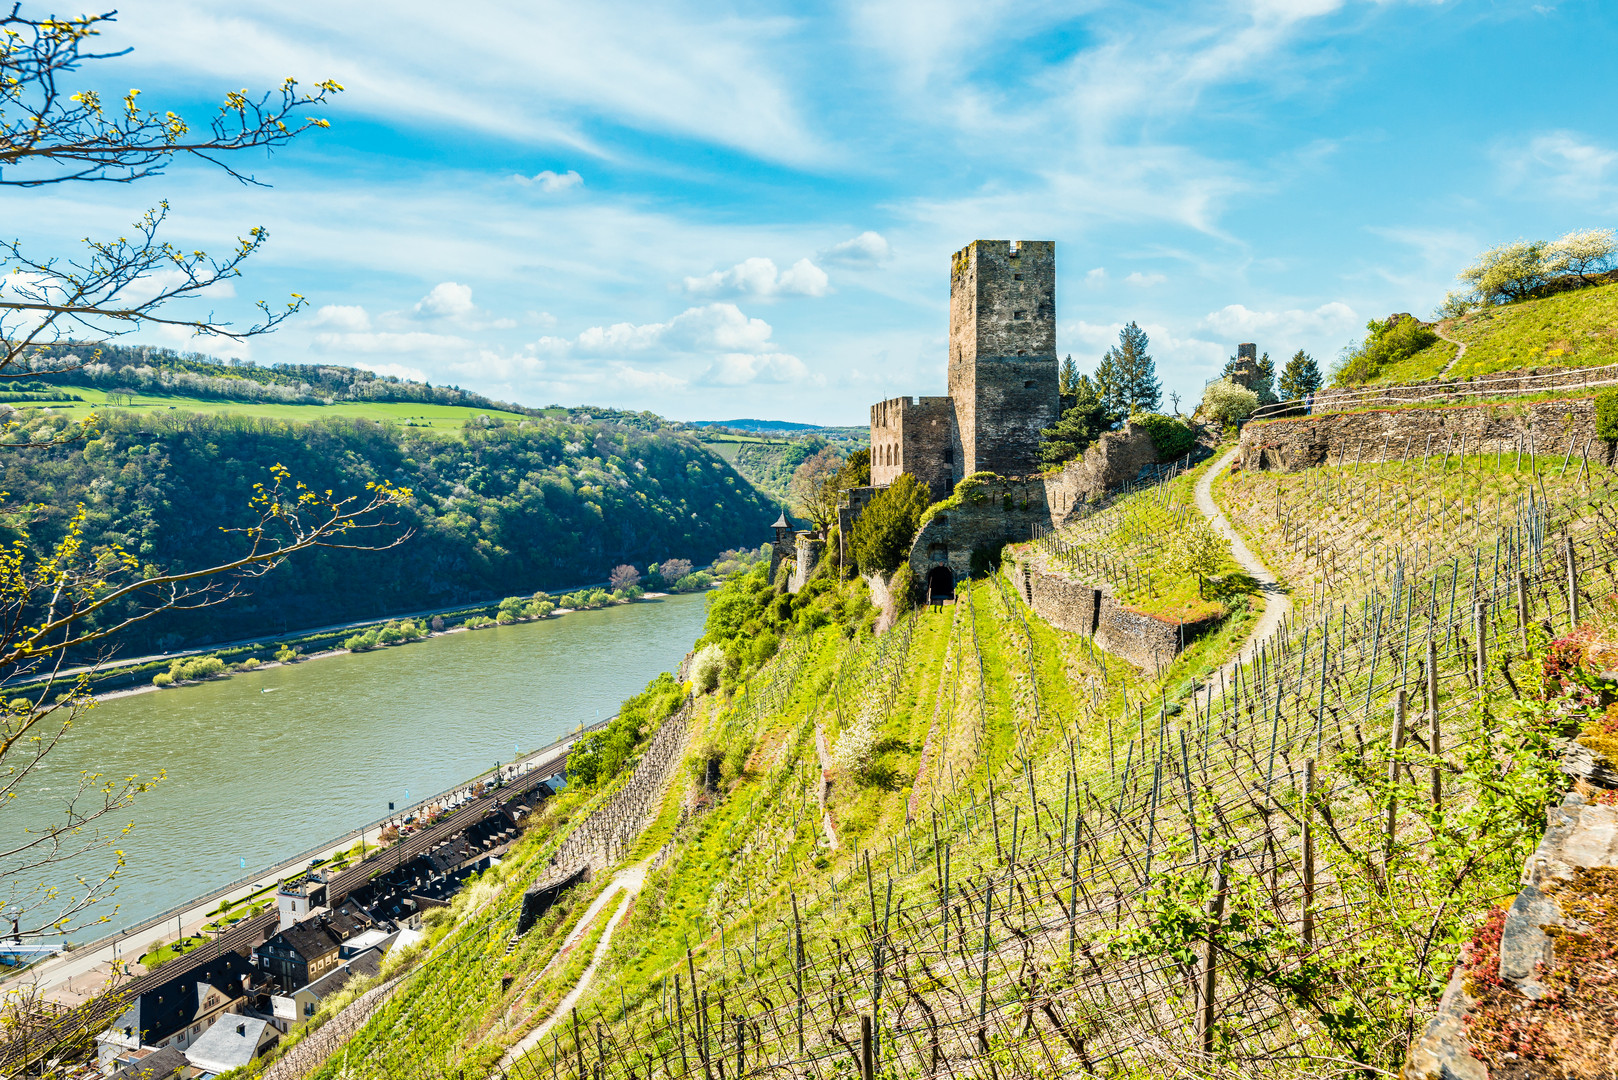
[(1277, 604), (629, 882), (1460, 351)]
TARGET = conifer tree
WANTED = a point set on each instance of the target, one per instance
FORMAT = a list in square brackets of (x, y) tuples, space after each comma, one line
[(1127, 376), (1079, 426), (1301, 377), (1067, 380)]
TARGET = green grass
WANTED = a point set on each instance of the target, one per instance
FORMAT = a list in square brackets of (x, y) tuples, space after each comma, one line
[(402, 413), (164, 953), (1570, 329)]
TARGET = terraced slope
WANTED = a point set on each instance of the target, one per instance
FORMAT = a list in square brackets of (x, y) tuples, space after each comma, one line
[(1578, 328)]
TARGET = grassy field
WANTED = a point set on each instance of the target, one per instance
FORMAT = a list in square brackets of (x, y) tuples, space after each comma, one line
[(1570, 329), (405, 413)]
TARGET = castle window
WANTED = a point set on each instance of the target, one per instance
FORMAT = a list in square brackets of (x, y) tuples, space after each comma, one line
[(949, 455), (1028, 385), (1019, 315), (1016, 277), (1022, 352)]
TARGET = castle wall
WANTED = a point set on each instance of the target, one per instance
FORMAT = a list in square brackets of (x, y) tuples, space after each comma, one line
[(1002, 354), (913, 435), (810, 550), (1147, 641), (1555, 428), (998, 511), (1106, 464)]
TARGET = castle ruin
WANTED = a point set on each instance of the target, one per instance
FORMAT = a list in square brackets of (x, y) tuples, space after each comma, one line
[(1002, 375)]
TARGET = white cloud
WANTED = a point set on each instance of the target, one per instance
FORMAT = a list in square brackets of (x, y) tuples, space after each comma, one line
[(1098, 276), (740, 369), (398, 371), (384, 341), (1334, 320), (1147, 280), (759, 277), (551, 182), (447, 300), (1563, 165), (344, 318), (867, 249), (711, 328)]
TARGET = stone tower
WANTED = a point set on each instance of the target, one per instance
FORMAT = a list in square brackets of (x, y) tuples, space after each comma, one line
[(1002, 354)]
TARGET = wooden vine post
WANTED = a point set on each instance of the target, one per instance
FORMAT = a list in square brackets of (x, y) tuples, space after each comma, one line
[(867, 1066), (1480, 618), (1205, 994), (1572, 585), (1396, 738), (1433, 732), (1308, 837), (1522, 609)]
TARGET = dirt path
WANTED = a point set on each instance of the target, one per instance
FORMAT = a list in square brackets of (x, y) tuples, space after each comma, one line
[(629, 882), (1460, 350), (1277, 605)]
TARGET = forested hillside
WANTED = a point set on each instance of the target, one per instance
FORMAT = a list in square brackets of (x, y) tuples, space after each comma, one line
[(498, 508)]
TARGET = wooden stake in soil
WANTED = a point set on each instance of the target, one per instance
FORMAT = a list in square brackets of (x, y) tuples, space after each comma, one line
[(1572, 585), (867, 1069), (1205, 996), (1433, 733), (1522, 610), (1308, 928), (1396, 738), (1480, 619)]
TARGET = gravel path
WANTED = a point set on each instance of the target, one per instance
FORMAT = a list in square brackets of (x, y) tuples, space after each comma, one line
[(1277, 605), (1460, 350)]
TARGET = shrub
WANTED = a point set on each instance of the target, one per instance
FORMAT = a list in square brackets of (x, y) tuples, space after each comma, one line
[(1607, 415), (624, 577), (1388, 341), (1172, 437), (883, 533), (1228, 401), (438, 624), (670, 571), (513, 603), (286, 654), (694, 582), (390, 635), (362, 642), (1507, 272), (505, 618), (705, 668), (249, 664), (478, 622), (162, 678), (538, 609)]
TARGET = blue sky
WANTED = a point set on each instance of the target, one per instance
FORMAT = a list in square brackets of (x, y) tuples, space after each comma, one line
[(723, 210)]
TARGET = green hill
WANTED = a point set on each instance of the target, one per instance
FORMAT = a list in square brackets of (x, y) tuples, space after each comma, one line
[(1576, 328), (501, 506)]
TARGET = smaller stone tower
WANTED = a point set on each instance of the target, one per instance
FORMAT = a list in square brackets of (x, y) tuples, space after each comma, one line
[(785, 543)]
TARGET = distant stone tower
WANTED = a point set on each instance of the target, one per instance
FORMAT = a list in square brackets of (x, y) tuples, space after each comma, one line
[(1002, 354)]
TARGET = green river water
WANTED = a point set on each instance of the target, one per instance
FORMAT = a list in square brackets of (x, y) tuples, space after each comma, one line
[(261, 776)]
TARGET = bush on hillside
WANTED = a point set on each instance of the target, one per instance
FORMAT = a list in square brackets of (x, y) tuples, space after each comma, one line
[(1172, 437), (1607, 415), (706, 666), (1516, 271), (1228, 401), (1387, 342), (162, 678), (669, 571), (361, 642), (601, 755), (883, 533)]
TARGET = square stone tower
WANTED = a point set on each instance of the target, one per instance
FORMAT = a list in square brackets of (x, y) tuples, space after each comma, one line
[(1002, 354)]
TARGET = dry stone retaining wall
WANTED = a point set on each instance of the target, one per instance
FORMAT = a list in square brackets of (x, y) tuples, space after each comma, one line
[(1147, 641), (1548, 428)]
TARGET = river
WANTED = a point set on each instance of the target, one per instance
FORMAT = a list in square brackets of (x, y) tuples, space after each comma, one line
[(266, 764)]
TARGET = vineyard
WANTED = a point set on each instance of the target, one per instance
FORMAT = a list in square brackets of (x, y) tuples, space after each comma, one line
[(975, 845)]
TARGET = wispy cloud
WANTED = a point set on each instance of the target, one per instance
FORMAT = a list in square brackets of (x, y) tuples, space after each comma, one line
[(759, 277)]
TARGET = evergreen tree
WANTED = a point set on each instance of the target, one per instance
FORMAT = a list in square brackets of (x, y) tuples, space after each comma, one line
[(1127, 376), (1301, 377), (1264, 380), (1079, 426), (1067, 380), (882, 535)]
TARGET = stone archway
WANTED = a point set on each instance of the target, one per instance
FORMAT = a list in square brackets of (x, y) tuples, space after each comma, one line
[(940, 584)]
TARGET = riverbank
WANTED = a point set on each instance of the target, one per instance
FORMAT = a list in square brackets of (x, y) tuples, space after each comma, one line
[(270, 762), (326, 654)]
